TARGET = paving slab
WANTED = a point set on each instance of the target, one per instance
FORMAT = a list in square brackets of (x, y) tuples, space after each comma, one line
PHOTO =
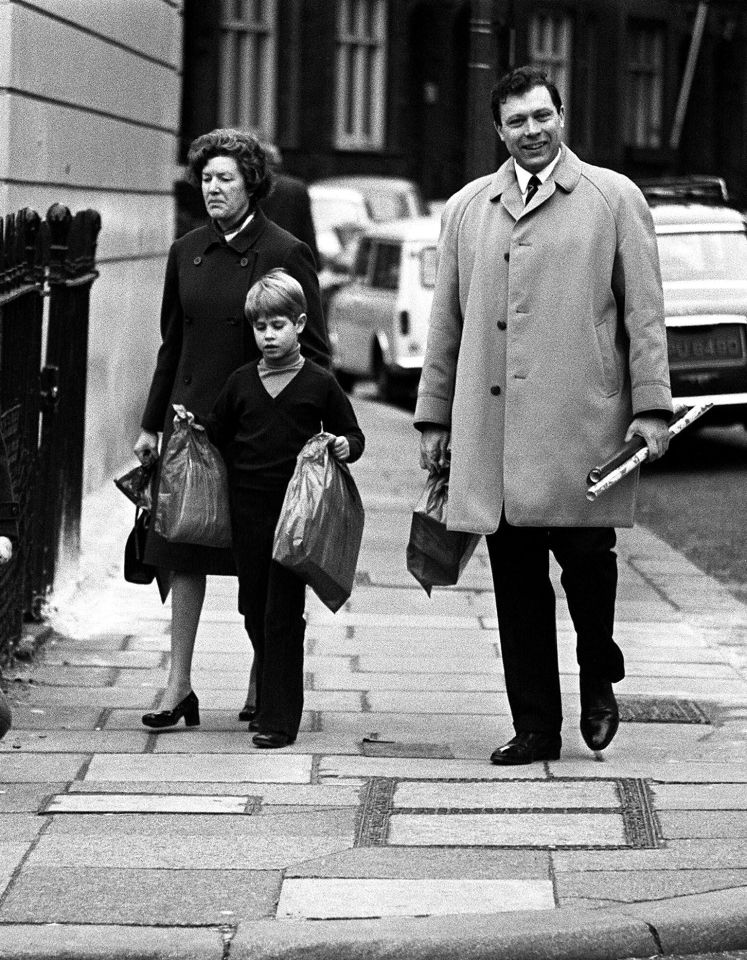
[(20, 767), (332, 767), (26, 797), (692, 824), (507, 830), (11, 854), (146, 803), (358, 898), (413, 862), (289, 768), (523, 794), (263, 850), (72, 741), (629, 887), (676, 855), (53, 717), (174, 897), (705, 796)]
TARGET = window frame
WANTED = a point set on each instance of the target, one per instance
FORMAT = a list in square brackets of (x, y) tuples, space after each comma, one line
[(638, 65), (557, 65), (361, 53), (247, 62)]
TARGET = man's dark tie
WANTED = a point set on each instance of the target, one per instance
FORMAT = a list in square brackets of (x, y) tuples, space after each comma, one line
[(534, 184)]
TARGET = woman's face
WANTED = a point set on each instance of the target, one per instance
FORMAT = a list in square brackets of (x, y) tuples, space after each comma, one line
[(224, 191)]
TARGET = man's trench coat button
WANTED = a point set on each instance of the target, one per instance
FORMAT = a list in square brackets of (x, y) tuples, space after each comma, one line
[(244, 261), (495, 390), (188, 378), (197, 261), (505, 257), (502, 325)]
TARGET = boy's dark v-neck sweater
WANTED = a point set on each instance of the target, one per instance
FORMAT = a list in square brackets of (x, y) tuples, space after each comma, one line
[(260, 436)]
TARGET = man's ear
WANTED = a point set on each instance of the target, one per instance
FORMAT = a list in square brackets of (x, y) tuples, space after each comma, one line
[(300, 322), (499, 130)]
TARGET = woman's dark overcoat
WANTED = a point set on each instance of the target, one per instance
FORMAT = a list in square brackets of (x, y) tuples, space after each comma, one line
[(206, 337)]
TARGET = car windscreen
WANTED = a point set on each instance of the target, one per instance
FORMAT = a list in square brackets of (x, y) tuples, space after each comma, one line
[(330, 212), (703, 256)]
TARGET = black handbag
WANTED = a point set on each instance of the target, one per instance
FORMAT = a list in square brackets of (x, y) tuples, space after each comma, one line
[(136, 570)]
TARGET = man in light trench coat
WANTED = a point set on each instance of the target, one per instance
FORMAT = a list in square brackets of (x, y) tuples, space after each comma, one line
[(547, 349)]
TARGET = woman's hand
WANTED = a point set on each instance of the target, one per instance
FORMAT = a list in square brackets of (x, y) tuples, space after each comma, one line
[(181, 413), (146, 446), (340, 448), (6, 550)]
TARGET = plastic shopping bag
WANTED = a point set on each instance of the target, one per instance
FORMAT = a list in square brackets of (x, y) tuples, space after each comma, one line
[(319, 531), (436, 556), (193, 492)]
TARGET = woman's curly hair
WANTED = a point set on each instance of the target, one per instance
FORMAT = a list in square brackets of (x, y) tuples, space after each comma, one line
[(245, 149)]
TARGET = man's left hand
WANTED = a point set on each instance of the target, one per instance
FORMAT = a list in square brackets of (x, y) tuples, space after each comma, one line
[(654, 430)]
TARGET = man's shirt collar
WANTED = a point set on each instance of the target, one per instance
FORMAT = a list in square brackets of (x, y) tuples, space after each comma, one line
[(523, 176)]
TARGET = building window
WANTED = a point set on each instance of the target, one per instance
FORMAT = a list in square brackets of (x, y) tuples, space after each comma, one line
[(643, 123), (550, 44), (248, 65), (361, 74)]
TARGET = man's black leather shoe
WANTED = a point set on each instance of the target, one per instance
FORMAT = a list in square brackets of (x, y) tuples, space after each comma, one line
[(272, 741), (599, 714), (526, 747)]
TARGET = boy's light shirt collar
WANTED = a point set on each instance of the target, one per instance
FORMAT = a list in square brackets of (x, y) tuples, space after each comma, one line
[(234, 233), (524, 176)]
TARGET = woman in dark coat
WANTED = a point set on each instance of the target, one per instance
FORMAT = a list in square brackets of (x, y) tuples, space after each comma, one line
[(205, 338)]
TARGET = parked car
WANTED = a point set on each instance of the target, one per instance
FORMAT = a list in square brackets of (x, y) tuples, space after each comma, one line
[(343, 207), (378, 322), (703, 254)]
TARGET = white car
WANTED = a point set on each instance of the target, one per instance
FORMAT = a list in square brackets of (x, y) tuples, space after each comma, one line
[(378, 322), (703, 253)]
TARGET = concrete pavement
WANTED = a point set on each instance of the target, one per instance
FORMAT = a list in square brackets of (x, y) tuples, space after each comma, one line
[(384, 831)]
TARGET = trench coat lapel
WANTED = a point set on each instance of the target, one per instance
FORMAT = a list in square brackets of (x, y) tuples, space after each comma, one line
[(505, 186)]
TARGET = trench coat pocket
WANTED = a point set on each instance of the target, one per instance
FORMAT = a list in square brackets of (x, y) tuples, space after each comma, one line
[(611, 384)]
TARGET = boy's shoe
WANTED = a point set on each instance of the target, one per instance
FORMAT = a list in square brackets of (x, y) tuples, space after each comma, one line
[(271, 741)]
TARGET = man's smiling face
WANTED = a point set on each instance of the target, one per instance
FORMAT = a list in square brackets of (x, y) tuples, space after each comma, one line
[(530, 127)]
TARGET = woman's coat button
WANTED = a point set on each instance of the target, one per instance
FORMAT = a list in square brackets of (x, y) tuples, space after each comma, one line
[(244, 261), (197, 261)]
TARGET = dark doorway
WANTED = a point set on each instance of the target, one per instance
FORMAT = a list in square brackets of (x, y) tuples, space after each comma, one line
[(438, 46)]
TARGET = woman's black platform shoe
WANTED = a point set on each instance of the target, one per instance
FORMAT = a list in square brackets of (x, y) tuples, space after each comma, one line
[(189, 708)]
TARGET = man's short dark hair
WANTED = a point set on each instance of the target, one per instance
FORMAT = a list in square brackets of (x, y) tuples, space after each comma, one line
[(518, 82)]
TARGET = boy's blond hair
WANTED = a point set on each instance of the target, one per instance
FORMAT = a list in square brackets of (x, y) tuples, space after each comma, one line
[(276, 294)]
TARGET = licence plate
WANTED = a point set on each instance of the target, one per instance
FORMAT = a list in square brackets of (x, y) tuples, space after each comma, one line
[(712, 347)]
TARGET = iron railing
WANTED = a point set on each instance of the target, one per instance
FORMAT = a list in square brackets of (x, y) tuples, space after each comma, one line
[(43, 373)]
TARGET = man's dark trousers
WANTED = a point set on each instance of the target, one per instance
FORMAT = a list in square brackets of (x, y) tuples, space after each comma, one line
[(525, 600)]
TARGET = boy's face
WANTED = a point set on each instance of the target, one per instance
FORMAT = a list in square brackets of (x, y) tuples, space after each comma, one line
[(277, 336)]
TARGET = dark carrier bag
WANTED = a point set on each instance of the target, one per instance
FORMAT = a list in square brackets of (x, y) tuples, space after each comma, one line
[(193, 490), (436, 556), (319, 531)]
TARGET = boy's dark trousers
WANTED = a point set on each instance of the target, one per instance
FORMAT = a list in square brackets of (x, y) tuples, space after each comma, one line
[(272, 600)]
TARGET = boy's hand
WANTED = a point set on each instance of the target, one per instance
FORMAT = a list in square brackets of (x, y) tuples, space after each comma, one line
[(181, 413), (340, 448), (6, 550)]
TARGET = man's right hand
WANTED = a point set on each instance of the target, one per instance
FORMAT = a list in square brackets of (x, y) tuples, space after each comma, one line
[(146, 446), (435, 449)]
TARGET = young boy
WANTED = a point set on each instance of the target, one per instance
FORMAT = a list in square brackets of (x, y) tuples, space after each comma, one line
[(264, 415)]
